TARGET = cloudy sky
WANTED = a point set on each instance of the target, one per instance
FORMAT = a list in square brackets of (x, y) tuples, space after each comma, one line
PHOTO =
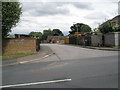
[(39, 15)]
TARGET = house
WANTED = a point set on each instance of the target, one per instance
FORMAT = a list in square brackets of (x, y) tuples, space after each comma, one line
[(22, 36), (11, 36), (55, 39), (115, 21)]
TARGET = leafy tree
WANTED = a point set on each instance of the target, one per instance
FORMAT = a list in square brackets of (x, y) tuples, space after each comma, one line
[(117, 27), (57, 32), (106, 27), (49, 32), (85, 28), (11, 12), (36, 34), (80, 27), (118, 21), (96, 31), (46, 33)]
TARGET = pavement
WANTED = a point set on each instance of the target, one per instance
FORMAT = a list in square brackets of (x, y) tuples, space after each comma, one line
[(102, 48), (43, 53), (98, 48)]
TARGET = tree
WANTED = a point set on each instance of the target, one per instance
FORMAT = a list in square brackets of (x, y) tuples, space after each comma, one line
[(11, 12), (36, 34), (96, 31), (79, 27), (106, 27), (57, 32), (85, 28), (46, 33), (117, 27)]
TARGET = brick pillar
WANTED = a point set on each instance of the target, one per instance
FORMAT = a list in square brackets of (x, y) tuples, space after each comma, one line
[(116, 39)]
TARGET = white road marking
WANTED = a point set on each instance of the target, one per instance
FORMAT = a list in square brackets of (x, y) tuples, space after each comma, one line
[(35, 59), (23, 62), (26, 84)]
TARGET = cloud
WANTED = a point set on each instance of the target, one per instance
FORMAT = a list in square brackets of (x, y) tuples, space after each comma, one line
[(52, 8), (119, 8), (96, 15), (38, 16), (83, 5), (44, 9)]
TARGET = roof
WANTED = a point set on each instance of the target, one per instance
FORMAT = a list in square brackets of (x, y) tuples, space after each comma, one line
[(115, 18)]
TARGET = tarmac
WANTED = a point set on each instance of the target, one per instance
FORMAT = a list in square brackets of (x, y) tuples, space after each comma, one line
[(46, 52)]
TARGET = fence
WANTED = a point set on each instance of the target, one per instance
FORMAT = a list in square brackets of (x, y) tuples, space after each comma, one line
[(96, 40), (110, 40)]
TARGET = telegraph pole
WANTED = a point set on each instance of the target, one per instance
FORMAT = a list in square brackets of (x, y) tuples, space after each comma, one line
[(77, 34)]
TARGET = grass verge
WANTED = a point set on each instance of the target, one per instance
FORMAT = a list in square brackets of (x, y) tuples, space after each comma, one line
[(16, 55)]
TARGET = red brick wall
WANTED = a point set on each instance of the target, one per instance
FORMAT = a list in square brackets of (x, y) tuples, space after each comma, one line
[(11, 46)]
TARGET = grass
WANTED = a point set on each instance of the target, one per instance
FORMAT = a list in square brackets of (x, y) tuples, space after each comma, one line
[(16, 55)]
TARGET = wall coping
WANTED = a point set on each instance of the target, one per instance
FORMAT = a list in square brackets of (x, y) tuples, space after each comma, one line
[(18, 38), (112, 32)]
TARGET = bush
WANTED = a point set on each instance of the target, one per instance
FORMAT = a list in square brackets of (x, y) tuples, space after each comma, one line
[(106, 28)]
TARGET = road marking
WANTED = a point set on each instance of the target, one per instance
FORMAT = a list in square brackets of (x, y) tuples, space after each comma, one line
[(9, 64), (26, 84), (35, 59), (23, 62)]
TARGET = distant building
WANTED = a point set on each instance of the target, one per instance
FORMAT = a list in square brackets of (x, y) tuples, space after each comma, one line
[(55, 39), (115, 20), (22, 36), (11, 36), (80, 33)]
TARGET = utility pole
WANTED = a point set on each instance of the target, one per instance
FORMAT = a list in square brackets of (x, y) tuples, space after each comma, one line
[(77, 34), (119, 8)]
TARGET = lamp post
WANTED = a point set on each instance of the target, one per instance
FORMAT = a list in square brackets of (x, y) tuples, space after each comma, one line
[(77, 33)]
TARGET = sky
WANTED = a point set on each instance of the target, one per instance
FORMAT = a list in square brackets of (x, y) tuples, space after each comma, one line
[(39, 15)]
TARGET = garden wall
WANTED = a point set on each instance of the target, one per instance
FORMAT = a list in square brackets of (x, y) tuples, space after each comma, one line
[(11, 46)]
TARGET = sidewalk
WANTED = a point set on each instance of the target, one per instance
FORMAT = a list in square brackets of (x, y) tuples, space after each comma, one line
[(43, 53), (97, 48), (102, 48)]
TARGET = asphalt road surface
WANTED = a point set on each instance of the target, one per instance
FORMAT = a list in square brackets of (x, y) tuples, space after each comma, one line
[(85, 68)]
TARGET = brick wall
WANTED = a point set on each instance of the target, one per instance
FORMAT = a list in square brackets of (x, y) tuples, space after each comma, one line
[(112, 39), (117, 39), (66, 40), (11, 46), (55, 38), (72, 40), (109, 39), (80, 40), (96, 40)]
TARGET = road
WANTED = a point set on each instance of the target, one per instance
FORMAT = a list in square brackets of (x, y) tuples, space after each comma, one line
[(87, 68)]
